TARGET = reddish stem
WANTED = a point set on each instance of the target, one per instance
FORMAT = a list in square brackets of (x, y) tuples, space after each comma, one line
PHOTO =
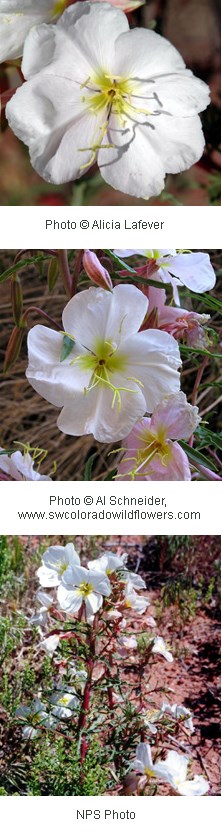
[(195, 390), (87, 694), (42, 313), (76, 270)]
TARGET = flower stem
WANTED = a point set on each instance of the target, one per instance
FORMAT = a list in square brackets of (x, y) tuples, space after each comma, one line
[(76, 271), (65, 272), (87, 694), (210, 475), (42, 313)]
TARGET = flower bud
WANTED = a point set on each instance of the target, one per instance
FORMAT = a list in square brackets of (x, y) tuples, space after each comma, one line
[(13, 347), (96, 272), (17, 300)]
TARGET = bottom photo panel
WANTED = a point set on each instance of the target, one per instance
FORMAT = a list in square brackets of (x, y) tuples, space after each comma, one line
[(110, 665)]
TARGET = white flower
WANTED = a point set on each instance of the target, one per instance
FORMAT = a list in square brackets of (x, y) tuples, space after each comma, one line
[(194, 270), (64, 703), (159, 647), (20, 466), (132, 600), (36, 714), (50, 644), (78, 675), (108, 563), (97, 91), (180, 713), (172, 771), (40, 618), (79, 586), (17, 17), (148, 716), (56, 559), (126, 644), (143, 762), (112, 614), (113, 374)]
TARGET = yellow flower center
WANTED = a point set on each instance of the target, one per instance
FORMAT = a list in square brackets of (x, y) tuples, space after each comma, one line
[(149, 773), (64, 700), (103, 363), (106, 94), (62, 566), (155, 443), (85, 589)]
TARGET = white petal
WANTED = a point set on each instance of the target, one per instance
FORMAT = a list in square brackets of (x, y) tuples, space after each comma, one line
[(74, 575), (30, 732), (143, 54), (104, 23), (69, 600), (94, 314), (137, 581), (48, 376), (22, 712), (179, 418), (100, 582), (93, 413), (154, 358), (195, 787), (8, 467), (134, 166), (47, 577), (57, 122), (194, 270), (127, 311), (14, 28), (93, 602), (180, 142), (143, 753)]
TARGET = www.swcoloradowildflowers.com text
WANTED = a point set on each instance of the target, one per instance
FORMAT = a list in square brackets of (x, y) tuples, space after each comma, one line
[(123, 514)]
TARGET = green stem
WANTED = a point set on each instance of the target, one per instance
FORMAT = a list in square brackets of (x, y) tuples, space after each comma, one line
[(65, 272)]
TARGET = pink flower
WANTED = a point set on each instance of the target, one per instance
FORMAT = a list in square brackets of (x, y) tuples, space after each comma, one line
[(180, 323), (151, 451), (96, 271)]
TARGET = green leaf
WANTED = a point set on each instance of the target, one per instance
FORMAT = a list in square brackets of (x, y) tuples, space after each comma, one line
[(19, 265), (190, 350), (119, 261), (88, 467), (205, 437), (197, 457), (110, 475), (207, 300), (8, 452), (67, 347), (53, 274)]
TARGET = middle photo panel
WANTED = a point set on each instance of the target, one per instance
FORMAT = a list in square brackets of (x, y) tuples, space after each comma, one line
[(111, 364)]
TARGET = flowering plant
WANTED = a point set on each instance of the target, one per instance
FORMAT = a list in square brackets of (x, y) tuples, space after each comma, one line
[(87, 633)]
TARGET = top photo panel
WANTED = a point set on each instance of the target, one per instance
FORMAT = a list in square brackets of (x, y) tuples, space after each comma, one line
[(110, 102)]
